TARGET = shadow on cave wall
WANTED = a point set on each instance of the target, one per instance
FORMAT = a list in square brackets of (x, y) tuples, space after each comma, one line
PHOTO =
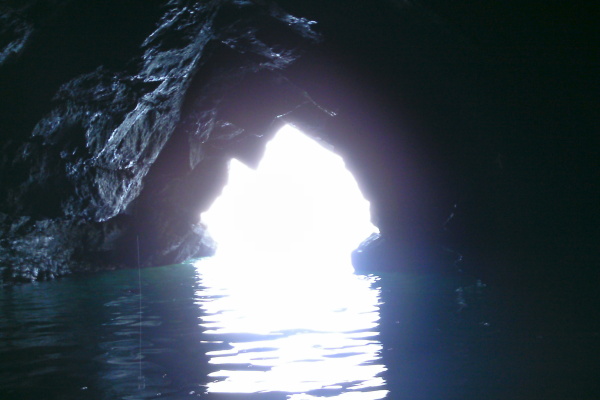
[(117, 122), (118, 131)]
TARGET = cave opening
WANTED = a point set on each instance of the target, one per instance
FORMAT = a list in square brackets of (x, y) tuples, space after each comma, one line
[(300, 208), (282, 272)]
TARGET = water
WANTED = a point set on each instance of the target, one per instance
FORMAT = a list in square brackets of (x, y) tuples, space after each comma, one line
[(211, 335)]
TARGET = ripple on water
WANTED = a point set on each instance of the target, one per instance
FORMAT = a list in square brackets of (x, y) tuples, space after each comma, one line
[(301, 338), (196, 342)]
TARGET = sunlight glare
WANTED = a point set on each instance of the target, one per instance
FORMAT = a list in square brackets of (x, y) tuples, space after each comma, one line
[(301, 205), (280, 301), (298, 336)]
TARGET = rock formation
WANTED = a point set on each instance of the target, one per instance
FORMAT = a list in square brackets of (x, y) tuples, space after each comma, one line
[(118, 118)]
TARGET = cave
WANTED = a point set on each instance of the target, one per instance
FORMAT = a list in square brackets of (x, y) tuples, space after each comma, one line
[(310, 215), (469, 128)]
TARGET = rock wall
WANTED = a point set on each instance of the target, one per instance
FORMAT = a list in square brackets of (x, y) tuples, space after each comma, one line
[(118, 118), (131, 150)]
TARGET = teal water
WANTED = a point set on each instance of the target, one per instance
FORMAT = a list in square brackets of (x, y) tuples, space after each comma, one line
[(282, 336), (79, 337)]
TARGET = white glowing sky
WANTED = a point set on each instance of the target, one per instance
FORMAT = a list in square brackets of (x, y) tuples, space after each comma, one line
[(300, 204)]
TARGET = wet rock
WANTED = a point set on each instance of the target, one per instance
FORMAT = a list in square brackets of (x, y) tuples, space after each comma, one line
[(74, 189), (117, 119)]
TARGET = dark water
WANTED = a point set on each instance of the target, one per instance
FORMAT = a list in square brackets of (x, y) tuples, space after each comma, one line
[(211, 335)]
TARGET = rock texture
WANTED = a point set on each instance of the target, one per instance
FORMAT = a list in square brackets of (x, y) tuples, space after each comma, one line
[(88, 184), (117, 119)]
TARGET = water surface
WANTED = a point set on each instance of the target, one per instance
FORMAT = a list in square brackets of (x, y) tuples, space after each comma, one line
[(281, 335), (193, 333)]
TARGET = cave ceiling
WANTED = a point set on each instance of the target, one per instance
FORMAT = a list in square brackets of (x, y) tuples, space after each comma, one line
[(118, 118)]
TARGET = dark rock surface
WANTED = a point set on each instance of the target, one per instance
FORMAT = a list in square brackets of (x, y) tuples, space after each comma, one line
[(469, 128), (94, 175)]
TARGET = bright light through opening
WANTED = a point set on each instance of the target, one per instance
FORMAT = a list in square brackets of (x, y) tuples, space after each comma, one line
[(301, 203), (280, 304)]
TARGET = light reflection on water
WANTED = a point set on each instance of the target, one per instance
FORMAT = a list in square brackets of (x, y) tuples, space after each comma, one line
[(205, 334), (303, 335)]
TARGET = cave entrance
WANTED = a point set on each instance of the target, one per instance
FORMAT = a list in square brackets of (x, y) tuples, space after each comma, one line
[(300, 205), (281, 306)]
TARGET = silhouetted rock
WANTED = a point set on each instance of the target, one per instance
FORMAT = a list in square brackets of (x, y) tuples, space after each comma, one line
[(465, 133)]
